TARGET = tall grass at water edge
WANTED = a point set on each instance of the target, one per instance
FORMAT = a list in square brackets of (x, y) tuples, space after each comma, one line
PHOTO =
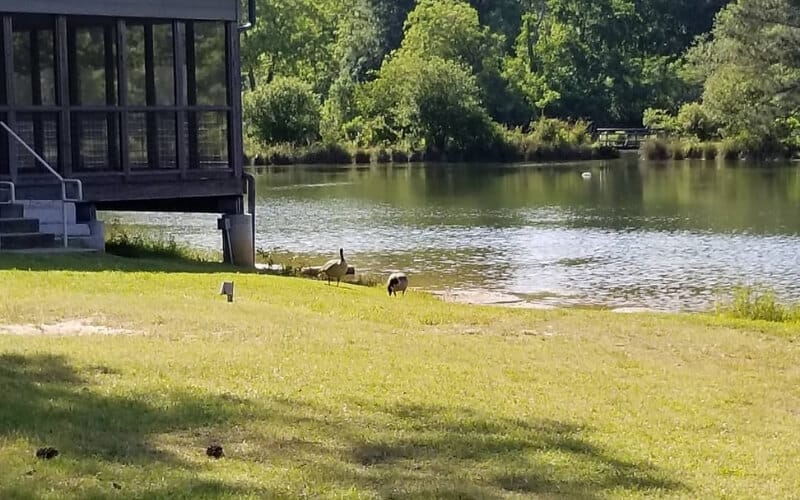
[(548, 140), (729, 149), (759, 304), (131, 241), (677, 149), (124, 240)]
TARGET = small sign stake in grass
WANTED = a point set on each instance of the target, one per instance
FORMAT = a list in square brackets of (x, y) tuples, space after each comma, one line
[(227, 289)]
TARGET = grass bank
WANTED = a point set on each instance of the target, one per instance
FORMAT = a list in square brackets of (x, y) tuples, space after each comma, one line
[(318, 391)]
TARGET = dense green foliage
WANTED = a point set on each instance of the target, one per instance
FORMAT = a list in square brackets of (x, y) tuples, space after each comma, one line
[(434, 100), (284, 110), (451, 75), (748, 69)]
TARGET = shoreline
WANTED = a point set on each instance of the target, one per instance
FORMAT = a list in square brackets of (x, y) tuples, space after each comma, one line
[(511, 301), (438, 163), (337, 154)]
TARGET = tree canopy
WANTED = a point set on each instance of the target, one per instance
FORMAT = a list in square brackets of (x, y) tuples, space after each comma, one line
[(751, 68), (442, 71)]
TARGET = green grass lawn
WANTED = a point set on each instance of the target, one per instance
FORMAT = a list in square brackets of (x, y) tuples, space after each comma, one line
[(324, 392)]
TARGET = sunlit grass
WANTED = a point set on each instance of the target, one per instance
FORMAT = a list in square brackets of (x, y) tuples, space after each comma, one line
[(318, 391)]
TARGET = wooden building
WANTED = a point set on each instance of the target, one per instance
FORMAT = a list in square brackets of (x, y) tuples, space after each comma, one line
[(138, 99)]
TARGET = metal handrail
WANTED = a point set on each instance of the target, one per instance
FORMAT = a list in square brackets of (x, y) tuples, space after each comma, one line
[(61, 179), (251, 17), (12, 190)]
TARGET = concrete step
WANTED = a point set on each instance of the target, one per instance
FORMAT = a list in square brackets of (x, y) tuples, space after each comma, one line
[(58, 228), (11, 211), (55, 250), (24, 241), (19, 225), (48, 211)]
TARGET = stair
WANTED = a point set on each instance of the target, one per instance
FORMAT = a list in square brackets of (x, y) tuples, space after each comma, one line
[(50, 217), (14, 211), (39, 224), (19, 225), (26, 241), (21, 233)]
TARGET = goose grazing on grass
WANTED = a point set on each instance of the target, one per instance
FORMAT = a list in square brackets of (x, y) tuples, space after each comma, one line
[(335, 269), (398, 282)]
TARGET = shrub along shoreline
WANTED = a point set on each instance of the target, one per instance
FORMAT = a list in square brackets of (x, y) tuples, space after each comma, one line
[(676, 148), (336, 154), (547, 140)]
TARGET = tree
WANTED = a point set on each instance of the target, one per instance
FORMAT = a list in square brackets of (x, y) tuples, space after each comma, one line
[(603, 60), (751, 68), (606, 60), (451, 30), (423, 102), (283, 111), (502, 16), (293, 38), (523, 71), (339, 110), (392, 16), (669, 27), (358, 47)]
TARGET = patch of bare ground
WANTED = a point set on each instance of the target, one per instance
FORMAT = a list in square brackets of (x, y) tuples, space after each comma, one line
[(67, 328)]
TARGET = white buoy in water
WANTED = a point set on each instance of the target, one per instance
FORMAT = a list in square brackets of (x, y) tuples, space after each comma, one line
[(586, 175)]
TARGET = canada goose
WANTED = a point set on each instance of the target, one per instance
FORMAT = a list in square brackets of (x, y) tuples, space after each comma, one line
[(335, 268), (398, 282)]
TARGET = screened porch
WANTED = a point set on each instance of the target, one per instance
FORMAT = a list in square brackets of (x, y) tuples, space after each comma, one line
[(112, 99)]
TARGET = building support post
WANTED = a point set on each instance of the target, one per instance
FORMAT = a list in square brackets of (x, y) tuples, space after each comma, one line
[(237, 240)]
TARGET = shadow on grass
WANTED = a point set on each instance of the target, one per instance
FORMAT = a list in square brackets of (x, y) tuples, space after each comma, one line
[(414, 451), (99, 262), (49, 402), (514, 450), (399, 451), (194, 489)]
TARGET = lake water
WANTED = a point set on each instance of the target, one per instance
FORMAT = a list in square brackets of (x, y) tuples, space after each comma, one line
[(635, 235)]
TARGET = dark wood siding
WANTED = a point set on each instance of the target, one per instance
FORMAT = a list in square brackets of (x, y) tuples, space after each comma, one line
[(219, 10)]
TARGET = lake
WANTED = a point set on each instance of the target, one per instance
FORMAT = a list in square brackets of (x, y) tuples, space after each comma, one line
[(662, 236)]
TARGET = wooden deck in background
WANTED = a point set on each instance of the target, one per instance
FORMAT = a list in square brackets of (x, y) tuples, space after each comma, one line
[(625, 138)]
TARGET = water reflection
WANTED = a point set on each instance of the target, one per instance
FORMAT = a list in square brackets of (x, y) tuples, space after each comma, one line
[(636, 234)]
